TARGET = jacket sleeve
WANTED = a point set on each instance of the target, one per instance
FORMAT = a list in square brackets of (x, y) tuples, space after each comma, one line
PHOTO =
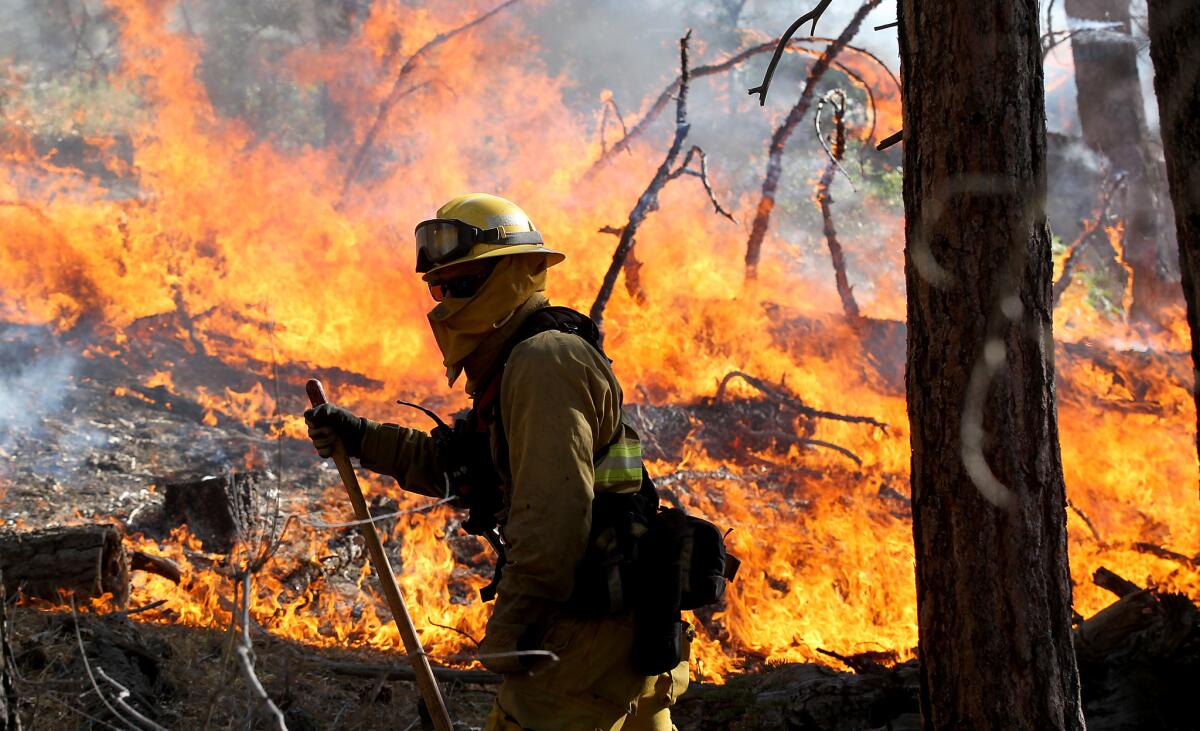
[(403, 453), (558, 400)]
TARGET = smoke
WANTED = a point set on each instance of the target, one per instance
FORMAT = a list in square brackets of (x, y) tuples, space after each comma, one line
[(33, 383)]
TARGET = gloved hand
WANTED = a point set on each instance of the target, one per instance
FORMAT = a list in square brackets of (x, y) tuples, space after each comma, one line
[(328, 423)]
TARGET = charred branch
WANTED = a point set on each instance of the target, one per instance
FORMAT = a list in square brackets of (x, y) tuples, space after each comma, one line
[(398, 671), (790, 401), (648, 201), (813, 15), (660, 102), (1117, 584), (400, 90), (825, 201), (1090, 229), (779, 139), (611, 110), (890, 140)]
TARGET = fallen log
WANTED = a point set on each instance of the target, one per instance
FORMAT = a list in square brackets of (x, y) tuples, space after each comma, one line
[(85, 561)]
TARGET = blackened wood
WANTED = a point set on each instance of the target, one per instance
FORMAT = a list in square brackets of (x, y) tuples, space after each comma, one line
[(84, 560), (1113, 121), (216, 509), (993, 594), (779, 138), (1113, 582), (1175, 51)]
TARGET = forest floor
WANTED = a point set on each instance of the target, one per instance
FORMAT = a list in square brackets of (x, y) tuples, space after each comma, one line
[(102, 442)]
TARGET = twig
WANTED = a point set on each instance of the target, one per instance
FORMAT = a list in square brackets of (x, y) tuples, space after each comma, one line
[(791, 401), (825, 200), (1086, 520), (648, 201), (88, 669), (122, 694), (660, 103), (139, 610), (808, 442), (1166, 553), (812, 15), (398, 92), (610, 104), (245, 654), (702, 173), (1090, 229), (885, 26), (456, 630), (766, 201)]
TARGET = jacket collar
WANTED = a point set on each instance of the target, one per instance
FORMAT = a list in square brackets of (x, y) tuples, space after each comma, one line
[(483, 359)]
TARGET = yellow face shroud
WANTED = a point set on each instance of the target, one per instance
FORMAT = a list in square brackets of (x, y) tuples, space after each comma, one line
[(460, 325)]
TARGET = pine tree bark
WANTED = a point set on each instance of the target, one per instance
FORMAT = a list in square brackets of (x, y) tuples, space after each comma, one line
[(9, 720), (1113, 121), (989, 520), (1175, 51)]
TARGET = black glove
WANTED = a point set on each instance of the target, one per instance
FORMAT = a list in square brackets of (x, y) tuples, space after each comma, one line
[(328, 423)]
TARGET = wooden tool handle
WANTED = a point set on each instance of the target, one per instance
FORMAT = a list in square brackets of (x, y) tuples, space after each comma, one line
[(427, 684)]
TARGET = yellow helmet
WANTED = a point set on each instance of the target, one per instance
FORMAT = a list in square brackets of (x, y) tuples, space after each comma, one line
[(477, 226)]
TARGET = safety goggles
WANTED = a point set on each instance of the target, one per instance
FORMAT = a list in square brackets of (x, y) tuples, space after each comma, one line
[(441, 240), (458, 287)]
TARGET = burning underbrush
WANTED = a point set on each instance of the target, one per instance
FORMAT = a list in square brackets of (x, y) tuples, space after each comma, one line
[(177, 264)]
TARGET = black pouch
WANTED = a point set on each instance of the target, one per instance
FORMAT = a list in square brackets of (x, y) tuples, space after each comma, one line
[(658, 627), (707, 566)]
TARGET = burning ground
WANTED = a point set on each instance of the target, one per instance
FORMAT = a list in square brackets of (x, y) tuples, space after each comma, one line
[(221, 210)]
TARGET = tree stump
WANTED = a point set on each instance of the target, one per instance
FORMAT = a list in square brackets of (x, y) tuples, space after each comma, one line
[(85, 561), (219, 510)]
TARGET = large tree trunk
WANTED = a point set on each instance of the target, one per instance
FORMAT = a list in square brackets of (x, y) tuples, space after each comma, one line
[(989, 520), (1175, 50), (9, 720), (1113, 120)]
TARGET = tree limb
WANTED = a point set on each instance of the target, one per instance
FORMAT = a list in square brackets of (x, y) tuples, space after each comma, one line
[(398, 92), (766, 201), (660, 103), (648, 201), (824, 201), (812, 15)]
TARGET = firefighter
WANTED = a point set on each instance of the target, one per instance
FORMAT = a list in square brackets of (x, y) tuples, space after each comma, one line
[(554, 434)]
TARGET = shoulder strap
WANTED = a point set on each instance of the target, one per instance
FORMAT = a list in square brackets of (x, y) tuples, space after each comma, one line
[(561, 319)]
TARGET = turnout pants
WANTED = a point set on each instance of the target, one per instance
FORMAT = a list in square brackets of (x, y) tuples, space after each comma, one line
[(592, 687)]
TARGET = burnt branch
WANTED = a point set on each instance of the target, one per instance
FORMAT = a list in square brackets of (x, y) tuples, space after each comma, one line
[(648, 202), (790, 401), (766, 201), (782, 436), (1090, 229), (660, 103), (825, 201), (701, 173), (813, 15), (1117, 584), (611, 110), (399, 91)]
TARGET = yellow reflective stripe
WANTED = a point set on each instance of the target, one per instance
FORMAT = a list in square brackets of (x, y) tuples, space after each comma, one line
[(616, 475), (620, 464), (625, 449)]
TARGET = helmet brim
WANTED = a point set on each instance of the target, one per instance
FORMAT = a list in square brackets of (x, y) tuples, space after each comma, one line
[(552, 257)]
